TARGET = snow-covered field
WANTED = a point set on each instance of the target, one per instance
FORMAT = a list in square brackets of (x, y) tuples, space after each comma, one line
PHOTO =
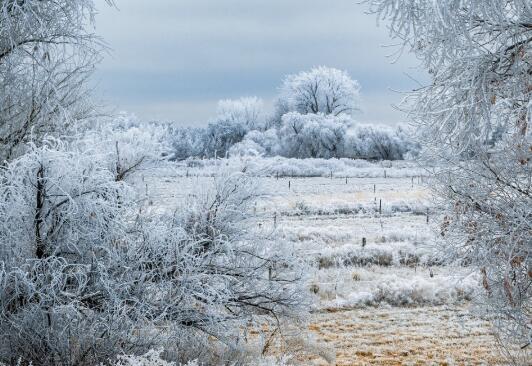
[(383, 294)]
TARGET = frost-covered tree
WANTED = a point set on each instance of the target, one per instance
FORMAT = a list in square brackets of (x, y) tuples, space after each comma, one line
[(312, 135), (187, 142), (321, 90), (46, 56), (221, 134), (258, 143), (479, 54), (242, 129), (247, 111), (280, 108), (377, 142), (235, 118)]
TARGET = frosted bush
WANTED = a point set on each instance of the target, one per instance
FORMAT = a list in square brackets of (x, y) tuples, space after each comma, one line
[(64, 223), (153, 358), (380, 143), (312, 135), (124, 144), (86, 274), (247, 148)]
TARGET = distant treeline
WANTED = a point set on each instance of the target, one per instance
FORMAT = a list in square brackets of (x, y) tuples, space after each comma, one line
[(312, 119)]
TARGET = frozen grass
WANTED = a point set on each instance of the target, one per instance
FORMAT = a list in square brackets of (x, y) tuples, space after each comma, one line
[(302, 208), (286, 167), (330, 231), (339, 242), (387, 254), (377, 286)]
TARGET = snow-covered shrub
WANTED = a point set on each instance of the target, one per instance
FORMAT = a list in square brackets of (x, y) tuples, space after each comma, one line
[(187, 142), (221, 276), (262, 275), (86, 275), (221, 135), (379, 143), (124, 144), (265, 143), (63, 225), (153, 358), (247, 147)]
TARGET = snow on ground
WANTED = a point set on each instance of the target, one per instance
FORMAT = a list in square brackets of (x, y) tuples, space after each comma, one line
[(391, 301), (286, 167)]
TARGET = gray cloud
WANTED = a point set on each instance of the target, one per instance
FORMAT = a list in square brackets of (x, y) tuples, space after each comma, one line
[(173, 60)]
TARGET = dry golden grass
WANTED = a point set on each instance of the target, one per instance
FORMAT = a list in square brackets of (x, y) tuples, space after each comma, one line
[(405, 336)]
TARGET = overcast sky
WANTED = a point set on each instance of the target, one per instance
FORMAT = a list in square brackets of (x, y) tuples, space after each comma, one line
[(174, 59)]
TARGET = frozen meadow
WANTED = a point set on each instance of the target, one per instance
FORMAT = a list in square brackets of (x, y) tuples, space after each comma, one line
[(383, 293)]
